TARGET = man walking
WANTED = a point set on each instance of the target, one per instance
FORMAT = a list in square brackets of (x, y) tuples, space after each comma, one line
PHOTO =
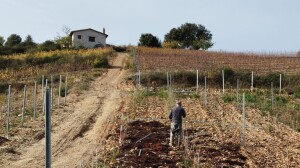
[(176, 115)]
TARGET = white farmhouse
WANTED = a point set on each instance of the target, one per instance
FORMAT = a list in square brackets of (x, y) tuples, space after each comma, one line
[(88, 38)]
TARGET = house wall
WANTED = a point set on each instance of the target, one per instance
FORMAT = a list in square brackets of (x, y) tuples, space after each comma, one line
[(84, 41)]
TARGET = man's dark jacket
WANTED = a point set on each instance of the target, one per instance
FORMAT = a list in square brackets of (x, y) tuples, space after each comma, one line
[(176, 114)]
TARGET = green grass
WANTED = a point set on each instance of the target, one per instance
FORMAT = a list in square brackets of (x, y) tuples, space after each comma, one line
[(160, 93), (229, 98), (285, 106)]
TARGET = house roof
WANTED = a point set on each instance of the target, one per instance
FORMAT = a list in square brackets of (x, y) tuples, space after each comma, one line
[(87, 29)]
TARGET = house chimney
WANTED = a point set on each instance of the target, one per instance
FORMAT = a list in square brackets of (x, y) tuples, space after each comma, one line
[(103, 30)]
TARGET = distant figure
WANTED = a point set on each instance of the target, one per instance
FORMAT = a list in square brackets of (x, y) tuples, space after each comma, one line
[(176, 115)]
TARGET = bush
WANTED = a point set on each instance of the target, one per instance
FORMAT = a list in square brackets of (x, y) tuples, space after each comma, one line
[(297, 95), (119, 48), (228, 98), (185, 77), (249, 97), (171, 44), (101, 62), (3, 88), (229, 74), (280, 100), (149, 40)]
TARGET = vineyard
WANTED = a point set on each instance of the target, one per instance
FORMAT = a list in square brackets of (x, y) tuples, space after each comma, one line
[(212, 135), (213, 130), (118, 118), (207, 61)]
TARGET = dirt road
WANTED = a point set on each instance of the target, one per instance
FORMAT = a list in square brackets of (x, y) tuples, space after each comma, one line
[(78, 135)]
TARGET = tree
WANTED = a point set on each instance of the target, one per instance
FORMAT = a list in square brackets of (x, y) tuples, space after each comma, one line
[(28, 41), (13, 40), (64, 41), (48, 46), (28, 44), (1, 41), (190, 35), (149, 40)]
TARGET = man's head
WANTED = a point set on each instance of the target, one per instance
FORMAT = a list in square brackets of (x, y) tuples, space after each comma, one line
[(178, 102)]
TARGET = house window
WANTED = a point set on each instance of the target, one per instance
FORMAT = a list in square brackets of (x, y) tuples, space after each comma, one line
[(79, 36), (91, 39)]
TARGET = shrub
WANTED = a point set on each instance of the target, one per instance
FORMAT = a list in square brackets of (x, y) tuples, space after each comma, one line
[(229, 74), (228, 98), (280, 100), (101, 62), (249, 97), (3, 88), (297, 95), (119, 48)]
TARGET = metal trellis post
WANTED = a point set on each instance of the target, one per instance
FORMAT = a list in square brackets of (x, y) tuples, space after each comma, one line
[(34, 101), (244, 121), (23, 107), (48, 130), (8, 110)]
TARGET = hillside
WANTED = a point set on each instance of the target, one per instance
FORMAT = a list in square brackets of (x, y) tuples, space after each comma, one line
[(174, 60), (112, 124)]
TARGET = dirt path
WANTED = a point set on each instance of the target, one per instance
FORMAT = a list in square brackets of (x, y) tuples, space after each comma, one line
[(74, 139)]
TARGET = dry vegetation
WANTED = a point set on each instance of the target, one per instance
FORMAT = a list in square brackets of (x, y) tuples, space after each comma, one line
[(212, 131), (81, 67), (174, 60), (30, 65), (212, 135)]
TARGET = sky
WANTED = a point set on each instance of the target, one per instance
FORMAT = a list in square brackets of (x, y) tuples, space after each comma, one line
[(236, 25)]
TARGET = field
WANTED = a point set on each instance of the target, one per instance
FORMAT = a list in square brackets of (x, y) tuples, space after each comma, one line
[(113, 119), (182, 65), (213, 128), (212, 135), (206, 61)]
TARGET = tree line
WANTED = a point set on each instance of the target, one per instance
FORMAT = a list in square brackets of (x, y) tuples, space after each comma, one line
[(15, 44), (188, 35)]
